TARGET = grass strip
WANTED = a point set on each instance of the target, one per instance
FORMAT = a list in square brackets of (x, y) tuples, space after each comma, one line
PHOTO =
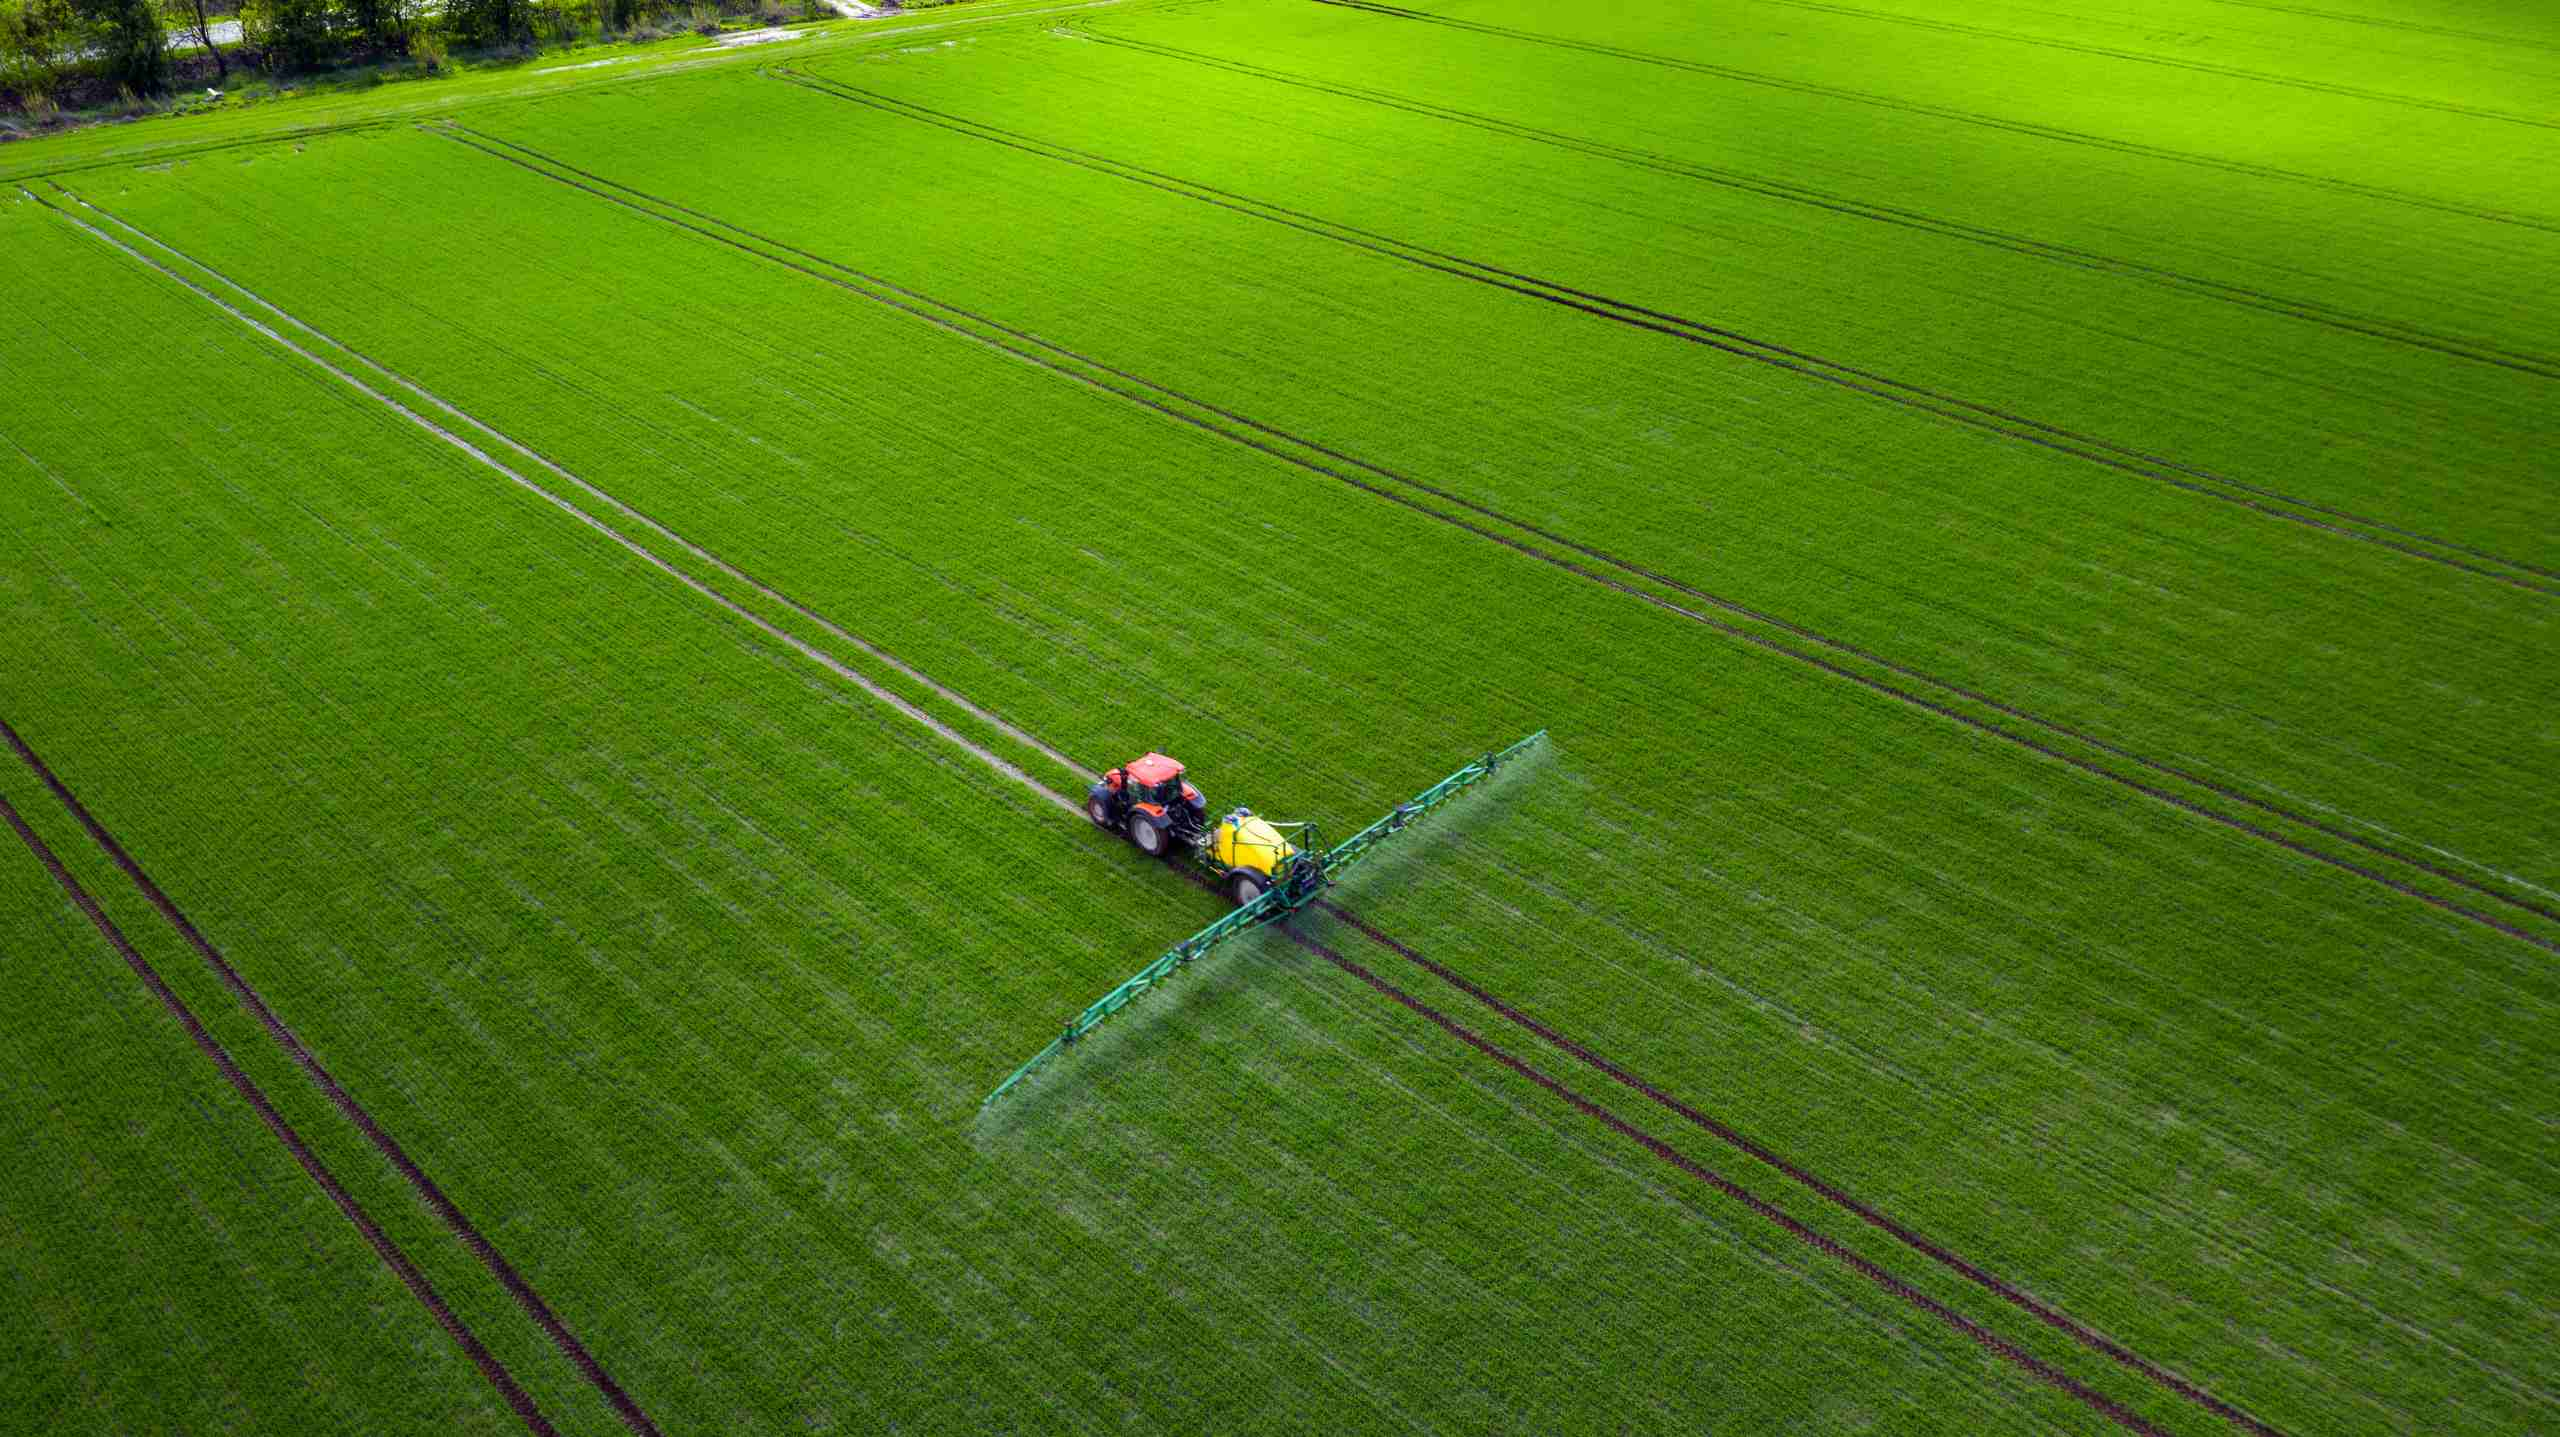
[(1955, 409), (381, 1243), (345, 1102)]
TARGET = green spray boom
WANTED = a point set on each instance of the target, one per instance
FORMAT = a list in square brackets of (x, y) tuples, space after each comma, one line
[(1301, 884)]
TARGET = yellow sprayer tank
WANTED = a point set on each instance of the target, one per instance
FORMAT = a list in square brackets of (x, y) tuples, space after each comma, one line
[(1243, 840)]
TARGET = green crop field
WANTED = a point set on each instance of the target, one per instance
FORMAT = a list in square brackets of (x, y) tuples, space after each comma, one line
[(555, 625)]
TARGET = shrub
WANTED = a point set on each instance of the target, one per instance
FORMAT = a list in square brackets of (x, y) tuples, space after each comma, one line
[(561, 21), (132, 49), (38, 41), (288, 34), (490, 22), (385, 25)]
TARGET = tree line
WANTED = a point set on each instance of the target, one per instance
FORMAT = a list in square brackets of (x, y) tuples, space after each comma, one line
[(48, 46)]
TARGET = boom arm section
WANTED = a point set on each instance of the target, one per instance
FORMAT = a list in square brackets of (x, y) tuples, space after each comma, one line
[(1359, 845), (1296, 892)]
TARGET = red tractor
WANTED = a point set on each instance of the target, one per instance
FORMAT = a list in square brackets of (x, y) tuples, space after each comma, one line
[(1149, 802), (1242, 854)]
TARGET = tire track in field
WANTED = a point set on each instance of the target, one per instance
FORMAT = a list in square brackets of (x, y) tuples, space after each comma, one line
[(1969, 117), (1988, 419), (2412, 26), (872, 650), (433, 1196), (2102, 1173), (1316, 458), (1829, 1192), (383, 1247), (628, 1410), (1935, 1252), (182, 150), (1061, 800), (830, 662), (2203, 67), (1865, 1267), (1789, 192)]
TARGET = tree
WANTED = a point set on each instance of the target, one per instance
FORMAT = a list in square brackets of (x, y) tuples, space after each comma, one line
[(132, 49), (490, 22), (382, 24), (288, 34), (192, 17), (38, 40)]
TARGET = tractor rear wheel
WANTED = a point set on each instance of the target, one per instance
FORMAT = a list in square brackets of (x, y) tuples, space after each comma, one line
[(1244, 885), (1100, 813), (1147, 831)]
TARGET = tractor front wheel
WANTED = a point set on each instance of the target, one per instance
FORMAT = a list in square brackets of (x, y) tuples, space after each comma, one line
[(1148, 832), (1244, 885), (1100, 812)]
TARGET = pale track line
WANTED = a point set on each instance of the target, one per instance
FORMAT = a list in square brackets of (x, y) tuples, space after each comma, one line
[(482, 457), (805, 649), (878, 654), (1065, 363), (1995, 1344), (809, 651), (1115, 166)]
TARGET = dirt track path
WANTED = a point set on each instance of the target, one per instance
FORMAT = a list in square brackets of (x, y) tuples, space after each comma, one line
[(828, 661)]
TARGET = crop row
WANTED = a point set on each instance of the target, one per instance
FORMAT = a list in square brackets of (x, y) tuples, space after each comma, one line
[(148, 1231), (1070, 555), (93, 314), (1332, 463), (2191, 637), (1920, 398), (676, 960), (2089, 121), (1771, 255), (389, 1252), (2472, 899), (2249, 810)]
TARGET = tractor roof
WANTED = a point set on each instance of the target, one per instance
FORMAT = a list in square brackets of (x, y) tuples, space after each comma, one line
[(1155, 768)]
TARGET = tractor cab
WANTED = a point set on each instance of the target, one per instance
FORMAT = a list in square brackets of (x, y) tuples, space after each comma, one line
[(1149, 802), (1156, 782)]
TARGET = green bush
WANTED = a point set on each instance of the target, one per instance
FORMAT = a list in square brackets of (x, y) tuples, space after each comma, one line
[(383, 25), (563, 21), (132, 49), (38, 41), (289, 34), (490, 22)]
